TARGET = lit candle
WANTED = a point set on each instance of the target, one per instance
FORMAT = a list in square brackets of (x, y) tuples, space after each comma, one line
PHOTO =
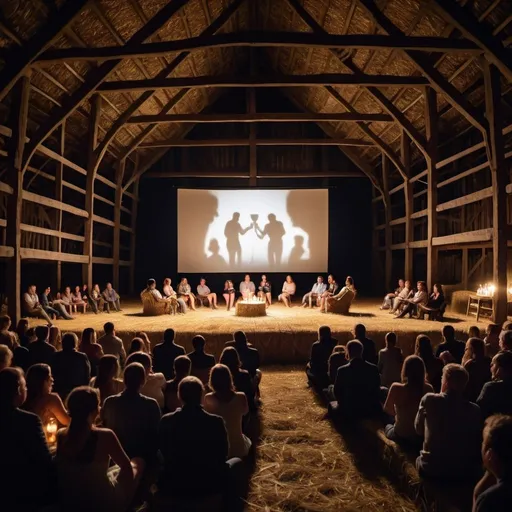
[(51, 430)]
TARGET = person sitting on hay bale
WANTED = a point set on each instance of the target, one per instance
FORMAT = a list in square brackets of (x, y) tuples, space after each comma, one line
[(340, 302), (321, 350)]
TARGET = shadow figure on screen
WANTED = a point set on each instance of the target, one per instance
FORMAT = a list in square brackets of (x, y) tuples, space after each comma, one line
[(275, 231), (297, 252), (232, 232), (215, 260)]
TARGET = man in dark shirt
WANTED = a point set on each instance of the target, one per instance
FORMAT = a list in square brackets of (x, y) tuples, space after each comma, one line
[(165, 353), (357, 386), (496, 396), (450, 344), (70, 368), (369, 352), (201, 362), (497, 458), (40, 351), (317, 368)]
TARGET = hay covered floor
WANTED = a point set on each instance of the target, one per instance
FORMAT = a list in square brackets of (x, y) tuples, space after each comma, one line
[(284, 336)]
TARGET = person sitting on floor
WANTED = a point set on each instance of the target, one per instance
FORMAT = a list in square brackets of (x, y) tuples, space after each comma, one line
[(403, 400), (390, 361), (496, 396), (6, 357), (40, 351), (53, 308), (84, 453), (420, 297), (311, 298), (7, 337), (452, 345), (452, 428), (357, 387), (155, 382), (91, 348), (492, 340), (204, 293), (497, 458), (400, 299), (241, 378), (107, 381), (32, 307), (330, 301), (332, 289), (388, 298), (181, 370), (433, 364), (112, 344), (111, 298), (337, 359), (478, 366), (70, 368), (369, 350), (321, 350), (201, 361), (165, 353), (193, 442)]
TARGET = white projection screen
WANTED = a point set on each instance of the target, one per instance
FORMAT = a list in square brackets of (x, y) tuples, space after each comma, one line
[(253, 230)]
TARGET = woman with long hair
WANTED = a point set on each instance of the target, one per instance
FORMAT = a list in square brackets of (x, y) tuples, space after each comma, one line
[(232, 406), (136, 345), (241, 378), (436, 298), (478, 366), (40, 399), (91, 349), (404, 398), (145, 338), (229, 294), (288, 291), (155, 381), (55, 337), (84, 451), (433, 365), (21, 331), (78, 300), (107, 381), (185, 293)]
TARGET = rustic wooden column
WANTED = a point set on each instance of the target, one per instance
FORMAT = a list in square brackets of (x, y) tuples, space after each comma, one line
[(388, 266), (133, 240), (432, 133), (253, 149), (14, 178), (405, 153), (59, 176), (496, 150), (89, 195), (117, 221)]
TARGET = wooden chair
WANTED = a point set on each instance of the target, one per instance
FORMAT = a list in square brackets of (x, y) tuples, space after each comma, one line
[(431, 313), (151, 306), (341, 306)]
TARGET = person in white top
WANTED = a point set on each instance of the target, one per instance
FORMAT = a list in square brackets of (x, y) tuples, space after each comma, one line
[(154, 386), (32, 306), (247, 288), (288, 291), (231, 406), (203, 292)]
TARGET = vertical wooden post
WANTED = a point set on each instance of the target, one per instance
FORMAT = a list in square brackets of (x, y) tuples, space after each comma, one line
[(253, 162), (117, 221), (432, 132), (89, 195), (59, 176), (405, 151), (133, 240), (465, 268), (496, 150), (388, 214), (16, 146)]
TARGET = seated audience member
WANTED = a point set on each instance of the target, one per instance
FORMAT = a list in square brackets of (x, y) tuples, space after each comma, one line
[(21, 332), (496, 396), (84, 452), (287, 292), (446, 358), (78, 301), (53, 308), (390, 361), (388, 299), (403, 400), (55, 337), (241, 378), (7, 337), (317, 367), (70, 368), (229, 294), (349, 286), (497, 459), (40, 351), (369, 350), (165, 353), (169, 293), (107, 381), (474, 332), (337, 359), (311, 298), (201, 362), (146, 344), (133, 416), (410, 305), (249, 356), (181, 370), (455, 347), (357, 386), (21, 358), (26, 463), (95, 299), (112, 344), (40, 399), (506, 341), (6, 356), (155, 382), (204, 293), (31, 305), (478, 366), (111, 299), (185, 293), (400, 299), (91, 349), (492, 340), (436, 298), (332, 289), (452, 428), (265, 290), (136, 345), (230, 405), (194, 442), (433, 365)]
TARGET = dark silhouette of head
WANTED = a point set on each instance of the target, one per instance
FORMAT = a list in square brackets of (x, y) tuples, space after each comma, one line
[(190, 391), (42, 333), (198, 342), (169, 335), (271, 217), (354, 349), (240, 339), (134, 377), (324, 332), (236, 216), (69, 341)]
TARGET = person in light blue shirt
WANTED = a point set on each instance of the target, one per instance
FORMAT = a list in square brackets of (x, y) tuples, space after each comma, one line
[(316, 291)]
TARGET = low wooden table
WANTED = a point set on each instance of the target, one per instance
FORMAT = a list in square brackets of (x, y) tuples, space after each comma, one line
[(251, 308), (478, 304)]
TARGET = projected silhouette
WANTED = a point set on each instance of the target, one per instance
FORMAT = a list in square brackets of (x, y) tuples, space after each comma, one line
[(215, 260), (232, 232), (297, 251), (275, 232)]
